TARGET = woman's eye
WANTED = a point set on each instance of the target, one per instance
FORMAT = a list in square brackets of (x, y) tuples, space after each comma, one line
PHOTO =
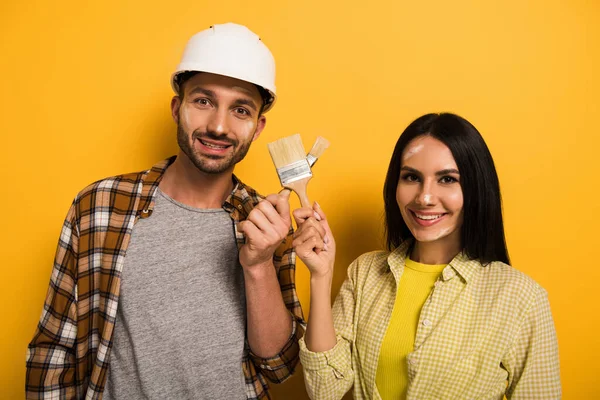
[(448, 179), (410, 178)]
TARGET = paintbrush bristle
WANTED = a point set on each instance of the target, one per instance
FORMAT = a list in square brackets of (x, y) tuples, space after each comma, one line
[(319, 147), (287, 150)]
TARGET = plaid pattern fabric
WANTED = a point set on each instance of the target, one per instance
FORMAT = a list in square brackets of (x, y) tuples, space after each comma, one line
[(69, 355), (483, 332)]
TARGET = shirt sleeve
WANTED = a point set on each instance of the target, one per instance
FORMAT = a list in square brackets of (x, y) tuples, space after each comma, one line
[(280, 367), (329, 375), (532, 362), (50, 358)]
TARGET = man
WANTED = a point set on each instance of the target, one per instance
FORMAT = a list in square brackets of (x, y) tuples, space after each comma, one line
[(178, 282)]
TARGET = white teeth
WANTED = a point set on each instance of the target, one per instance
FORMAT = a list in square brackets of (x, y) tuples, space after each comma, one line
[(213, 146), (428, 217)]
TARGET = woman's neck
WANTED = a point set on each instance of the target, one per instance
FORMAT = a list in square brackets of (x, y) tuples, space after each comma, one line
[(437, 252)]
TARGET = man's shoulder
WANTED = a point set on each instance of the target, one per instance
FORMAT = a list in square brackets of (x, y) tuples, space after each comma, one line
[(124, 183)]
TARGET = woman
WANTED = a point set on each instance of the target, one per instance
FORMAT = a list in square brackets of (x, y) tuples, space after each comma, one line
[(441, 315)]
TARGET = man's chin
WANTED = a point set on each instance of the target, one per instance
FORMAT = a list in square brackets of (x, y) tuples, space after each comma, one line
[(214, 167)]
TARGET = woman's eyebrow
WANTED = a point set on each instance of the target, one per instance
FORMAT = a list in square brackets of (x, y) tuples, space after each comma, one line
[(447, 171), (410, 169)]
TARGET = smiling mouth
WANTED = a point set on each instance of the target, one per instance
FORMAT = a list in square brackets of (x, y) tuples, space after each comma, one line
[(214, 146), (428, 217)]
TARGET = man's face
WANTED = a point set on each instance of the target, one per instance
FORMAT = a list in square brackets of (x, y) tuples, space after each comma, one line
[(217, 120)]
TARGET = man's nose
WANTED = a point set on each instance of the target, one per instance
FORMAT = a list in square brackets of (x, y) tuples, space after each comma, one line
[(217, 122)]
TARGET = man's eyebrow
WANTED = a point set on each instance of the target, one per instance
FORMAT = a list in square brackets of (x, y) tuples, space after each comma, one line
[(200, 90)]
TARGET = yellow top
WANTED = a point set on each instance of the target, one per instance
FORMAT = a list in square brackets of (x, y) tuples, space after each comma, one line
[(413, 289)]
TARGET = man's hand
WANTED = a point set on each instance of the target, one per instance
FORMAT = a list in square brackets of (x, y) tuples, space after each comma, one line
[(265, 228)]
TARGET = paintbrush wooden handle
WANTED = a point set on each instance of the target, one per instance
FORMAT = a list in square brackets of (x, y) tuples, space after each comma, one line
[(299, 187)]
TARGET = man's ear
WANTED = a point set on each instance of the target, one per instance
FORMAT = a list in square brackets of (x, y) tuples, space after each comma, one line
[(260, 125), (175, 104)]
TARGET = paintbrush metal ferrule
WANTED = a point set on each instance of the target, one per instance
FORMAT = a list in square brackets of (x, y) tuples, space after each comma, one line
[(311, 159), (293, 172)]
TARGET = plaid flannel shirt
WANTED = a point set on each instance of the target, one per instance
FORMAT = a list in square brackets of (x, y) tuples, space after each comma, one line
[(483, 332), (69, 355)]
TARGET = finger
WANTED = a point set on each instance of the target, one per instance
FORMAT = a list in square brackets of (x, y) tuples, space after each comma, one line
[(319, 211), (310, 245), (281, 202), (328, 234), (259, 219), (269, 211), (302, 214), (312, 223), (307, 233), (248, 229)]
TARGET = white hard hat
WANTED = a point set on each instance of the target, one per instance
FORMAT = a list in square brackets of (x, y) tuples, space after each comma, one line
[(230, 50)]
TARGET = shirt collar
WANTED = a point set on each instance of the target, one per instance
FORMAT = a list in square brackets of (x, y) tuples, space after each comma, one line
[(463, 265), (150, 182), (239, 199)]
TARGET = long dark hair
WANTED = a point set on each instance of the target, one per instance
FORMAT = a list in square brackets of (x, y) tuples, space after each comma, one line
[(482, 232)]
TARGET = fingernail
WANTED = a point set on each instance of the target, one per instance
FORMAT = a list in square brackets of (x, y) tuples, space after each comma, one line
[(326, 239), (317, 204), (325, 246), (317, 216)]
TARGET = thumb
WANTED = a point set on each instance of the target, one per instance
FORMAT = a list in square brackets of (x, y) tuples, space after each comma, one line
[(317, 208)]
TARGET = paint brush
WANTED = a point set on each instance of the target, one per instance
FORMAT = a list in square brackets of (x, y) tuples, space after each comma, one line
[(317, 150), (292, 166)]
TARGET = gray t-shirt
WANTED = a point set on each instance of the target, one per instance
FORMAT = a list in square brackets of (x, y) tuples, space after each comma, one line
[(181, 319)]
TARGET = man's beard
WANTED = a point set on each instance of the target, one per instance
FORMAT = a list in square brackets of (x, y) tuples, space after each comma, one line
[(207, 163)]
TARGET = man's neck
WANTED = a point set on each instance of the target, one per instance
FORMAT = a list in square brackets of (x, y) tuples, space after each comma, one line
[(185, 183)]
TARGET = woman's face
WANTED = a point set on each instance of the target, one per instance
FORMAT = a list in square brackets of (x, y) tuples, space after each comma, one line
[(429, 193)]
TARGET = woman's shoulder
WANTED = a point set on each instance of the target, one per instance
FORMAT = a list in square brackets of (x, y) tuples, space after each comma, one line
[(375, 256), (367, 264), (505, 278), (372, 259)]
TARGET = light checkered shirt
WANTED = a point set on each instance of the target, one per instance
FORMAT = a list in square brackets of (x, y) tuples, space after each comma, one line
[(484, 331), (69, 355)]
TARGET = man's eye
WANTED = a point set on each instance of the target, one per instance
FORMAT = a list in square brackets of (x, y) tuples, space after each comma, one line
[(242, 111), (202, 101)]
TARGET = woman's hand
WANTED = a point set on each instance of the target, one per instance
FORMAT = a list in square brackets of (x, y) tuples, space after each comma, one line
[(314, 242)]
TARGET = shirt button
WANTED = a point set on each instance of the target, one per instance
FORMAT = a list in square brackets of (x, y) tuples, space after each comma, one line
[(426, 322), (240, 206), (145, 211)]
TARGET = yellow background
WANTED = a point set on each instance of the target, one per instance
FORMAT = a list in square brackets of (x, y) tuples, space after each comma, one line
[(85, 94)]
